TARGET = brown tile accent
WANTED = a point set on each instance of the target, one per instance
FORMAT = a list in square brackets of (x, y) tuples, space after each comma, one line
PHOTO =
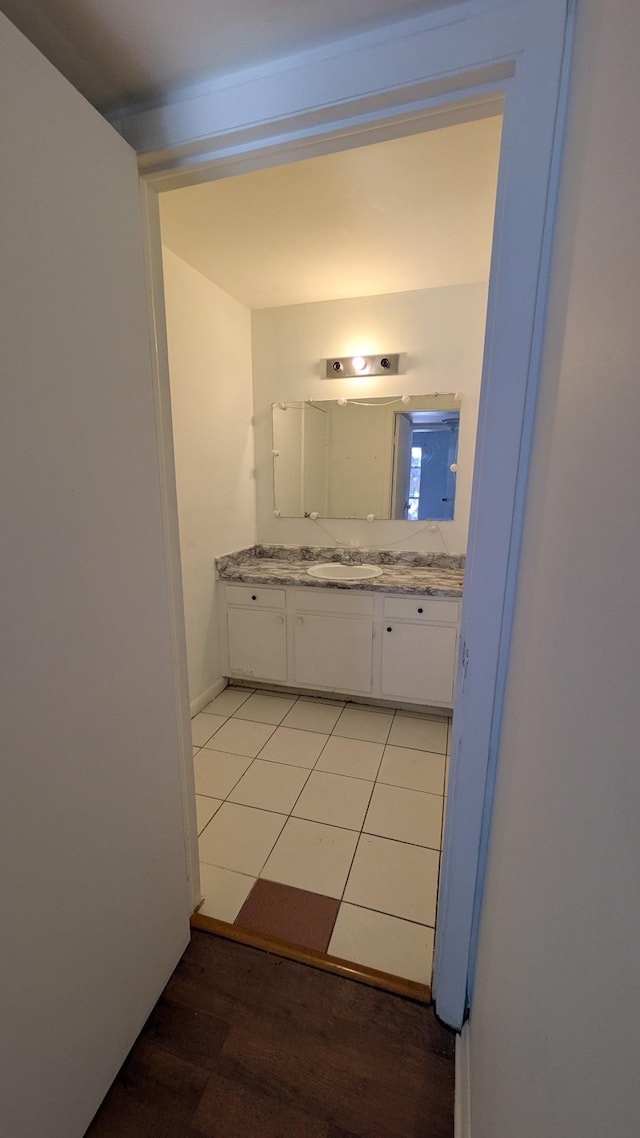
[(290, 914)]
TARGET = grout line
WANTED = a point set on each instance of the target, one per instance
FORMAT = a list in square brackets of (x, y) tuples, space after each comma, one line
[(385, 913), (364, 819), (331, 825), (311, 730), (339, 774), (329, 736), (272, 849), (422, 750), (302, 788), (220, 803), (240, 872), (247, 769), (410, 789), (287, 766), (346, 880), (402, 841)]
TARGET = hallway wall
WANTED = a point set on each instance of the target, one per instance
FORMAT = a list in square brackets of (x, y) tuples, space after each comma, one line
[(555, 1021)]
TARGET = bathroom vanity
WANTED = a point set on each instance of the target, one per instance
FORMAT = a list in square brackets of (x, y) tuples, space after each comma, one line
[(391, 636)]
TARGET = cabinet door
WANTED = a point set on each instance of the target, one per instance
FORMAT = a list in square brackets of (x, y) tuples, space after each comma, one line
[(418, 662), (257, 644), (333, 652)]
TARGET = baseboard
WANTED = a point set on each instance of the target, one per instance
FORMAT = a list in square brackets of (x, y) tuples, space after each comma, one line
[(438, 710), (462, 1108), (207, 695)]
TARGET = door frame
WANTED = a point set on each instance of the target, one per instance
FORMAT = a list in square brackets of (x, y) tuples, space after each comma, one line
[(491, 50)]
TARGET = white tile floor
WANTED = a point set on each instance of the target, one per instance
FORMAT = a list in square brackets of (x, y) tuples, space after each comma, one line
[(339, 800)]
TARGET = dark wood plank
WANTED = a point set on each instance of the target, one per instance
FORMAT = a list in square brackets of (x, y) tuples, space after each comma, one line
[(237, 1111), (333, 1083), (189, 1033), (153, 1089), (246, 1043)]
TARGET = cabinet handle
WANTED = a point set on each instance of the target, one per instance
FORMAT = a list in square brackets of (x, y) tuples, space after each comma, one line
[(254, 597), (299, 620), (389, 629), (420, 610), (279, 620)]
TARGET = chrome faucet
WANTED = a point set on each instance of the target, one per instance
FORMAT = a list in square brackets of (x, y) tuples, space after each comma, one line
[(346, 557)]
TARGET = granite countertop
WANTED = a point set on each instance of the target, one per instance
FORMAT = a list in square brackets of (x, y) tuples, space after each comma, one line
[(432, 574)]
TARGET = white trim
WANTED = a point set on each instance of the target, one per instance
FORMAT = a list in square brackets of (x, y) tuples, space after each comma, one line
[(517, 293), (229, 158), (323, 54), (462, 1102), (207, 695), (528, 43), (166, 469), (525, 454), (454, 51)]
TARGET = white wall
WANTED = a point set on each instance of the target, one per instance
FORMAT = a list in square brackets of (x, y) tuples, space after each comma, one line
[(209, 337), (555, 1022), (93, 883), (442, 332)]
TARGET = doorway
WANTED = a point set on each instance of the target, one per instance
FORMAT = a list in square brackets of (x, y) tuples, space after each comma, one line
[(256, 324), (520, 58)]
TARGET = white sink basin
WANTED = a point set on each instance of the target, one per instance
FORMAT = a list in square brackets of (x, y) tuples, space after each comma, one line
[(336, 571)]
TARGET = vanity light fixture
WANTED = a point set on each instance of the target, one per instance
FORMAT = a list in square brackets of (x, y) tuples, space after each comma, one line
[(349, 366)]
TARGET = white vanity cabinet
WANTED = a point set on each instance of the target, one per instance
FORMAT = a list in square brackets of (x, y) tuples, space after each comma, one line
[(419, 647), (333, 640), (348, 641), (256, 633)]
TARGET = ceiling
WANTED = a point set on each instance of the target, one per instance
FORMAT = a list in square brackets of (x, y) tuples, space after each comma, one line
[(410, 213), (121, 51)]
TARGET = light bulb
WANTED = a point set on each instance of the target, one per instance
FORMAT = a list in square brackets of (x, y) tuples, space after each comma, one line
[(359, 363)]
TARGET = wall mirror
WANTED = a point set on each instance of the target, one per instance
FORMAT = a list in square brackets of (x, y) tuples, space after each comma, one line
[(393, 458)]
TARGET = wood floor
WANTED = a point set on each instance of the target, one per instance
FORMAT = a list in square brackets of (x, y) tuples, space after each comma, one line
[(243, 1044)]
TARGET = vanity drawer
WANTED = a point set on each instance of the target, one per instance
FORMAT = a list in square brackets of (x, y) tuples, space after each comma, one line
[(443, 611), (258, 596), (348, 603)]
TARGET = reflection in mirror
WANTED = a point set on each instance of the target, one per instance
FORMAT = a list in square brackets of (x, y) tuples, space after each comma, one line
[(392, 458)]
